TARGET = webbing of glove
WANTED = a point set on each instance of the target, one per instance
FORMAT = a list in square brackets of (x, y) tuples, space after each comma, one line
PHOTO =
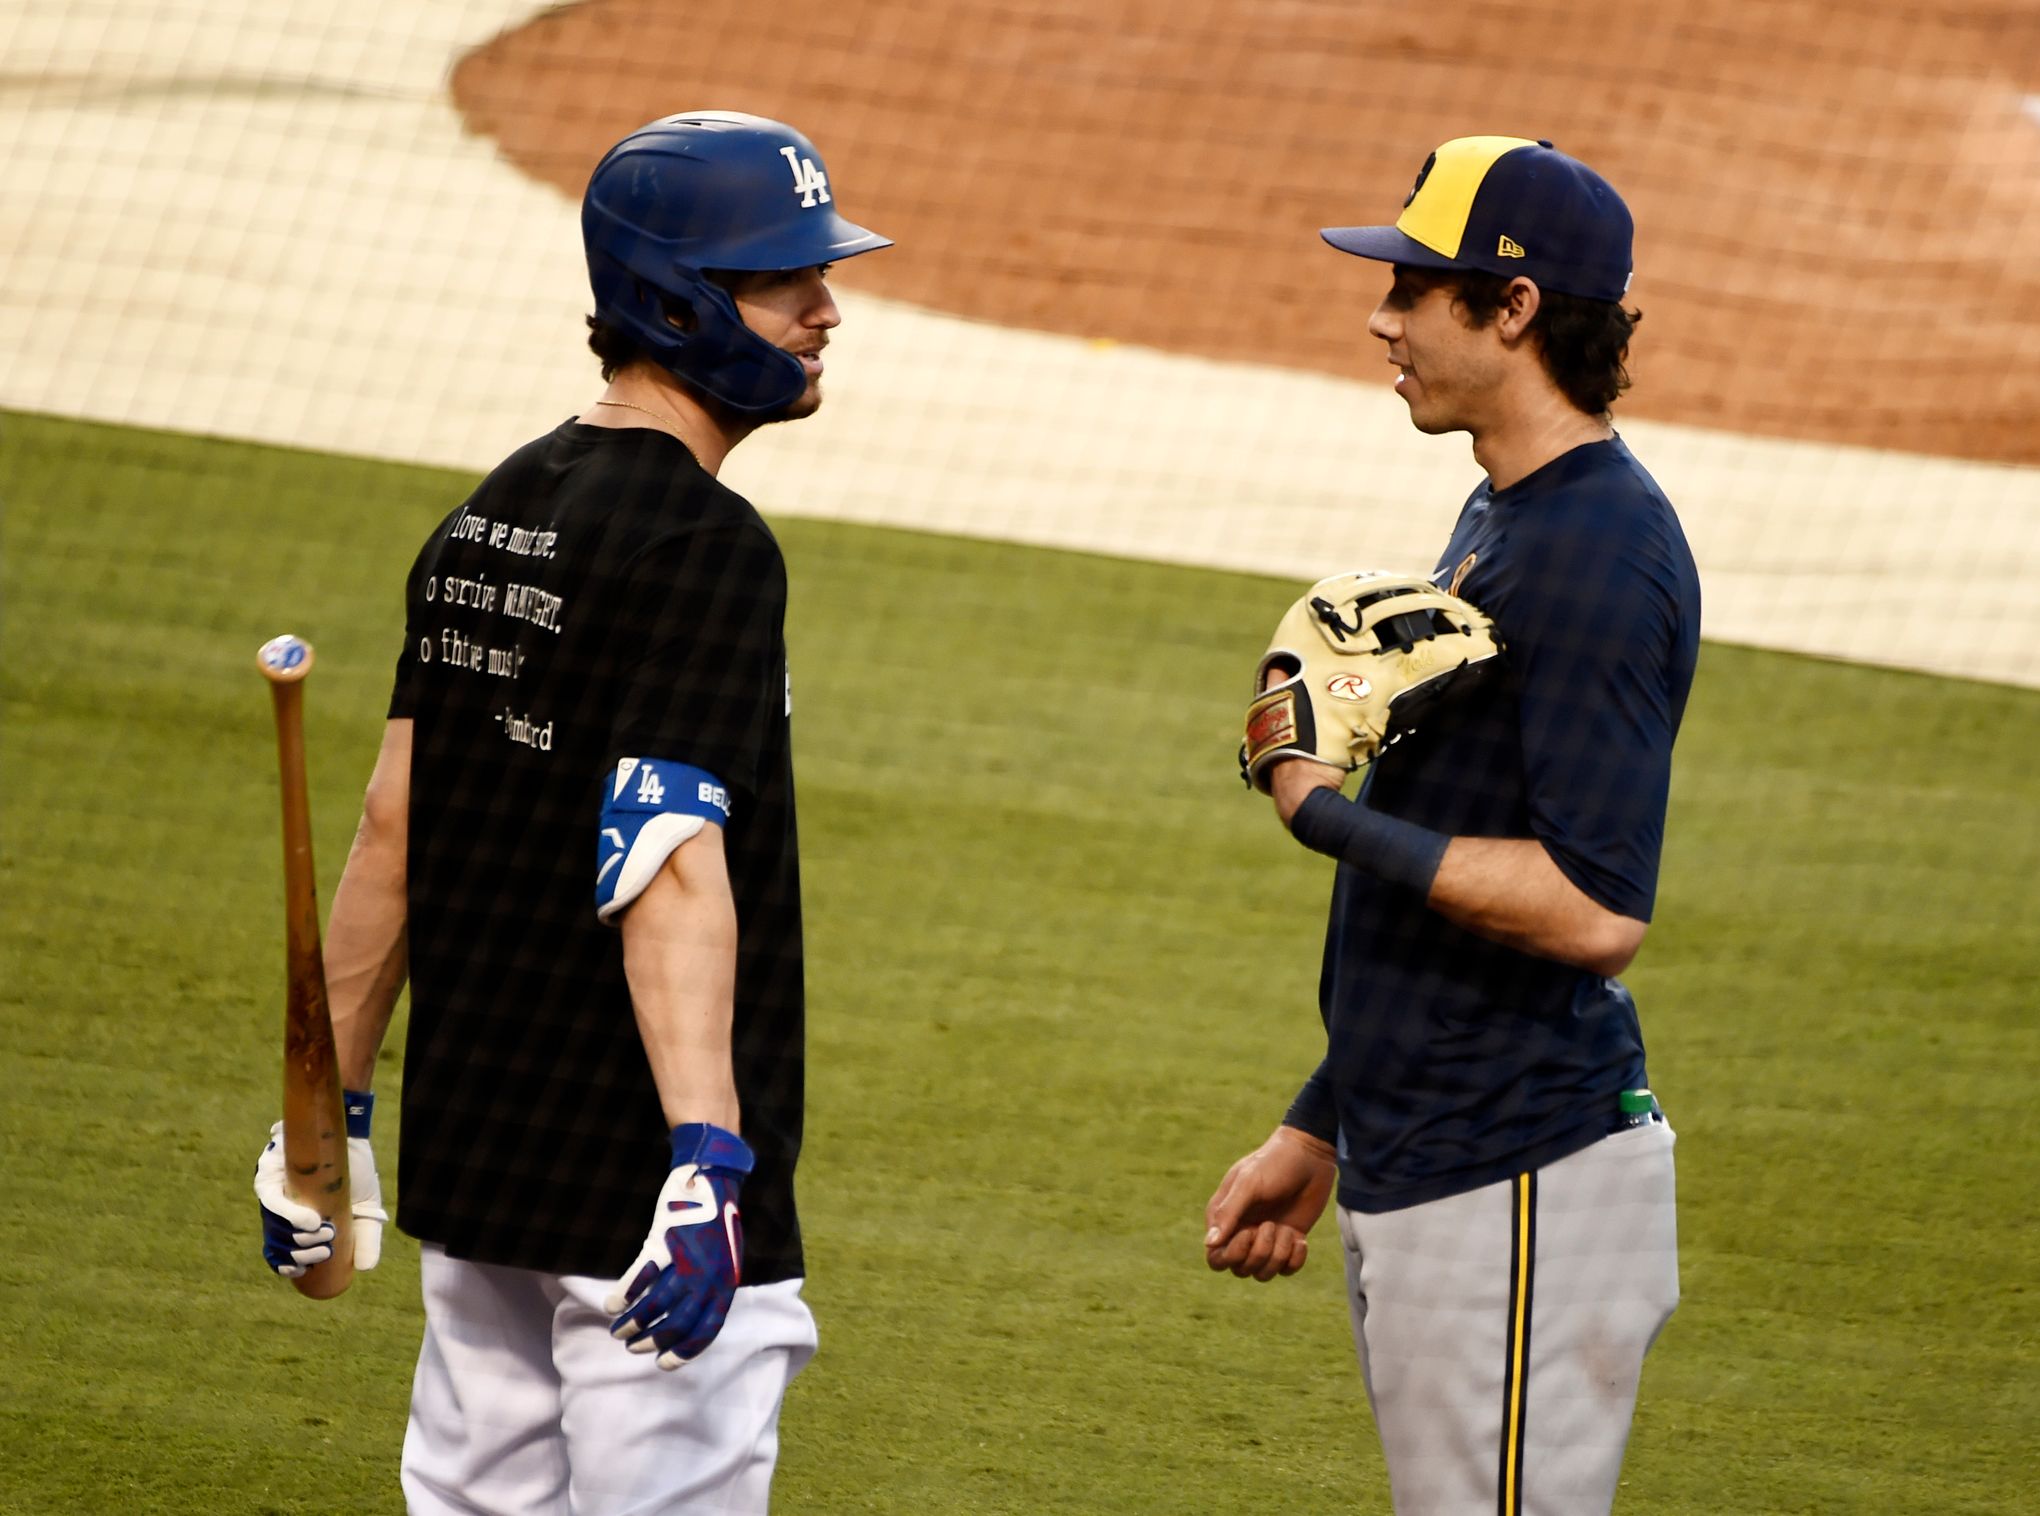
[(1362, 656)]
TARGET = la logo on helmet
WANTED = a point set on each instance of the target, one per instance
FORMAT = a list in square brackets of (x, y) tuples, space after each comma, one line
[(809, 182)]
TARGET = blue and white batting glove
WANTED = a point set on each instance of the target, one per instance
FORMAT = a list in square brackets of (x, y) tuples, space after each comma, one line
[(678, 1292), (295, 1236)]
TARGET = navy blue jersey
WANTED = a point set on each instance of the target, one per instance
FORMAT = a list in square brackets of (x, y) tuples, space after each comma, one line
[(1453, 1061)]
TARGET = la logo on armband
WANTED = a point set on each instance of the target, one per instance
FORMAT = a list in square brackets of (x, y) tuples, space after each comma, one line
[(653, 806)]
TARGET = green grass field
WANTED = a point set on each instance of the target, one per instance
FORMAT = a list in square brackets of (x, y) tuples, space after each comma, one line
[(1062, 971)]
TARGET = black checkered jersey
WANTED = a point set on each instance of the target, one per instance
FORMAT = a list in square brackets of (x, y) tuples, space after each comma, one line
[(598, 597)]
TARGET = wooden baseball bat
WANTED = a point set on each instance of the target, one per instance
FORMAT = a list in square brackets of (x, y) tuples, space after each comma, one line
[(314, 1125)]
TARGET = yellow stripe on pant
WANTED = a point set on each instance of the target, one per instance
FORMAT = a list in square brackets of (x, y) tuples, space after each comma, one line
[(1516, 1372)]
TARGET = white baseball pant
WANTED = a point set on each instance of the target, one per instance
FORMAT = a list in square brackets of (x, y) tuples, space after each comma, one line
[(524, 1405)]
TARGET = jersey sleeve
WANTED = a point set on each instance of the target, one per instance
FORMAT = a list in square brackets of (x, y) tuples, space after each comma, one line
[(702, 653), (1316, 1109), (1595, 624), (404, 688)]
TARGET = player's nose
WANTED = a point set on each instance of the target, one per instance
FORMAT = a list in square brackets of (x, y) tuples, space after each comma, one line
[(822, 313), (1384, 323)]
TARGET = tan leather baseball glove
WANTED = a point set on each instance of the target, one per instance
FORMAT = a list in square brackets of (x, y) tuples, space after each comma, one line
[(1355, 664)]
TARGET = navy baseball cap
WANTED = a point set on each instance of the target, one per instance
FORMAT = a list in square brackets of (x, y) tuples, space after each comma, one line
[(1508, 206)]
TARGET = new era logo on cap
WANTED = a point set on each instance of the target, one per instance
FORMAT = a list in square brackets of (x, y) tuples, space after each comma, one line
[(1484, 203)]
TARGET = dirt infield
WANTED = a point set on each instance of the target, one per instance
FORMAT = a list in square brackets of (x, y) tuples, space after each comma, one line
[(1838, 204)]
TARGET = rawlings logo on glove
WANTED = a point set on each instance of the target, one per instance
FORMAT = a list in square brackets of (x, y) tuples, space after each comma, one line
[(1361, 657)]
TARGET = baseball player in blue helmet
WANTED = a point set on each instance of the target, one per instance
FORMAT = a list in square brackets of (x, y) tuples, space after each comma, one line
[(1482, 1113), (676, 216), (578, 845)]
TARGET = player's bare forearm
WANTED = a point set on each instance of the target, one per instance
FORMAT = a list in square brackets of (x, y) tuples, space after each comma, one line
[(680, 956), (1291, 783), (366, 951), (1508, 890)]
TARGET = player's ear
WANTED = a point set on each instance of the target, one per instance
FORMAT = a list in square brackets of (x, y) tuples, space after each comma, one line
[(1519, 308)]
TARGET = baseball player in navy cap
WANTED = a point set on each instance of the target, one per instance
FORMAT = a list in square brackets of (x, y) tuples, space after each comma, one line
[(1503, 1173), (579, 847)]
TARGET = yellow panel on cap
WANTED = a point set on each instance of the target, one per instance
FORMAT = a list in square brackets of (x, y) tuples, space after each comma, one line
[(1436, 215)]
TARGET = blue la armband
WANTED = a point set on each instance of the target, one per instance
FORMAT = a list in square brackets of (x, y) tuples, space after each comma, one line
[(652, 805)]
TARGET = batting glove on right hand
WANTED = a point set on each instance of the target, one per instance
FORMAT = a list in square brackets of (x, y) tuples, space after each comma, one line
[(296, 1236), (674, 1298)]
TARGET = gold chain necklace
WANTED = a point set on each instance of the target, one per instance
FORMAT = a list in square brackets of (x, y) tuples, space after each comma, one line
[(665, 423)]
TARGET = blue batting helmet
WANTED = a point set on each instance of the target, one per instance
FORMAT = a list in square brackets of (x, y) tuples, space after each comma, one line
[(701, 191)]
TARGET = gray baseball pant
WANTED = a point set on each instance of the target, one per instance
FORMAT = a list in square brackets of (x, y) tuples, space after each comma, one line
[(1501, 1332)]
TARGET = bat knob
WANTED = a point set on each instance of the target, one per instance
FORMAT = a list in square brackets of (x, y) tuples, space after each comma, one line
[(285, 659)]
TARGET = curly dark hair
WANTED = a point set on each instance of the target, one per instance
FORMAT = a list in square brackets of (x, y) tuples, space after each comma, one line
[(1584, 343), (614, 346)]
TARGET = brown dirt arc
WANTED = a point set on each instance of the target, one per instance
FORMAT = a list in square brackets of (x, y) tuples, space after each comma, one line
[(1837, 204)]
